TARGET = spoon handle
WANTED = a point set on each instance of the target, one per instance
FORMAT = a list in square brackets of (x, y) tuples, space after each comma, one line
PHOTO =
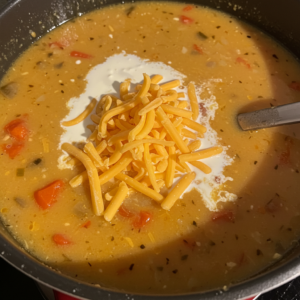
[(270, 117)]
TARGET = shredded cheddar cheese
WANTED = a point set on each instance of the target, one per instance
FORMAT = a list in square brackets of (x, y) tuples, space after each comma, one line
[(149, 132)]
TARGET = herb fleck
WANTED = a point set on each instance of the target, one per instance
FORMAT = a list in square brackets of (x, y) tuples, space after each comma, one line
[(194, 223), (276, 167), (258, 252), (37, 161), (202, 36), (167, 261), (131, 267), (275, 56), (184, 257), (175, 271), (142, 246), (130, 10), (255, 162)]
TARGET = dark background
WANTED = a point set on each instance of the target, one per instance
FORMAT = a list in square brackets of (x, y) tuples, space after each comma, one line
[(14, 285)]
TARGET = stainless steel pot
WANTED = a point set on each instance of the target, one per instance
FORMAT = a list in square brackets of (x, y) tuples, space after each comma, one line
[(277, 17)]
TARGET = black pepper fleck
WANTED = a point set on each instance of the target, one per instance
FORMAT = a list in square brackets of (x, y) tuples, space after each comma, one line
[(184, 257)]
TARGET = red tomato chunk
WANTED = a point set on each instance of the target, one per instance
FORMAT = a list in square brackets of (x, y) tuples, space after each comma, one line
[(227, 216), (124, 212), (80, 54), (47, 196), (142, 219), (60, 239), (13, 149), (186, 20), (17, 129), (188, 8)]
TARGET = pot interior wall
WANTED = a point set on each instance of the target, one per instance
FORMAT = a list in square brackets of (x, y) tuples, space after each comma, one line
[(277, 18)]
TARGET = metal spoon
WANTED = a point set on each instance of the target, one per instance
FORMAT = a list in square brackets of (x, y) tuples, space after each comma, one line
[(270, 117)]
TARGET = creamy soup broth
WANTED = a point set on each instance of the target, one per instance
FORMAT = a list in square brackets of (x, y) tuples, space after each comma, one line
[(184, 249)]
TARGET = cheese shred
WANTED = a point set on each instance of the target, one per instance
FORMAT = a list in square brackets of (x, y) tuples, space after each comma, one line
[(144, 141)]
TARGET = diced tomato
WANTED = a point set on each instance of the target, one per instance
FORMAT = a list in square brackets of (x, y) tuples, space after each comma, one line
[(86, 224), (47, 196), (295, 86), (227, 216), (244, 62), (186, 20), (198, 49), (188, 8), (13, 149), (60, 239), (80, 54), (17, 129), (142, 219), (124, 212)]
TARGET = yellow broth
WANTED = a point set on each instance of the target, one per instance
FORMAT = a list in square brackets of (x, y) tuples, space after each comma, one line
[(181, 250)]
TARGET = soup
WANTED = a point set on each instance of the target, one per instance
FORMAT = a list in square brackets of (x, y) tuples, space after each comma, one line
[(200, 242)]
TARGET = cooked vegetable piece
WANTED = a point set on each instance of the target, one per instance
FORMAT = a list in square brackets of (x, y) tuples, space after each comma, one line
[(13, 149), (188, 8), (202, 36), (124, 212), (80, 54), (60, 239), (59, 66), (56, 45), (87, 224), (142, 219), (10, 90), (17, 129), (21, 202), (186, 20), (37, 161), (227, 216), (198, 48), (20, 172), (47, 196)]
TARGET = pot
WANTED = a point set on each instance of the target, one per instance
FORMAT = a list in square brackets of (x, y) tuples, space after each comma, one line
[(277, 18)]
